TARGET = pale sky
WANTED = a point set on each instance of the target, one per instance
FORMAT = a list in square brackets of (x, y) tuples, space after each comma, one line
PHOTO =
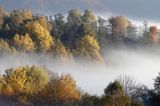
[(137, 10)]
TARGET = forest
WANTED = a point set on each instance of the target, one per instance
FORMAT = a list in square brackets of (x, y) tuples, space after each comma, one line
[(78, 37)]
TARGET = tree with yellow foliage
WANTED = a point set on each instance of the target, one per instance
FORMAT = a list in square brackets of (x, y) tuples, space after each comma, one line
[(40, 35), (27, 15), (5, 48), (24, 81), (43, 20), (23, 43), (60, 51), (88, 47), (61, 90), (119, 27)]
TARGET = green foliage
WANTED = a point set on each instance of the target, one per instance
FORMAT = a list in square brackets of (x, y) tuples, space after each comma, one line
[(88, 23), (58, 26), (103, 28), (72, 28), (115, 96), (114, 88), (131, 30), (74, 17)]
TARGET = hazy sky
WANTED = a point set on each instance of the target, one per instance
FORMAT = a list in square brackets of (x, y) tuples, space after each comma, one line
[(133, 9)]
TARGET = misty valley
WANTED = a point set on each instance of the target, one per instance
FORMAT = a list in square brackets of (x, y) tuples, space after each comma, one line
[(78, 59)]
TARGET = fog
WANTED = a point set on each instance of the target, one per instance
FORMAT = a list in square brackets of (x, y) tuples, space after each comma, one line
[(143, 65)]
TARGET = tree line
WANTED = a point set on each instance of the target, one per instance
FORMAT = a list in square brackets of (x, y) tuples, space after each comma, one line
[(36, 86), (79, 34)]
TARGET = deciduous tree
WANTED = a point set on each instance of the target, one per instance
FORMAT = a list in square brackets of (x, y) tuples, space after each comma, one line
[(115, 96), (40, 36), (88, 48), (119, 27), (24, 81), (61, 90), (23, 43), (153, 35)]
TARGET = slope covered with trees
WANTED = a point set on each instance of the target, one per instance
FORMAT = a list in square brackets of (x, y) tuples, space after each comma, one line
[(36, 86), (78, 34)]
